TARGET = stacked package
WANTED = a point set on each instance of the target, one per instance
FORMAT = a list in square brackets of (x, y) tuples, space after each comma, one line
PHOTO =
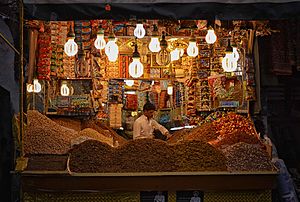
[(115, 115), (44, 54)]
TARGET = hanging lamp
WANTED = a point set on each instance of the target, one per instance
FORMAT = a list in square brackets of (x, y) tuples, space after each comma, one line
[(70, 46), (64, 89), (136, 68), (228, 63), (192, 49), (210, 37), (154, 45), (163, 57), (100, 41)]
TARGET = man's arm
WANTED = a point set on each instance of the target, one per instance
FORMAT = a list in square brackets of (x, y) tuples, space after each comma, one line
[(136, 130), (161, 128)]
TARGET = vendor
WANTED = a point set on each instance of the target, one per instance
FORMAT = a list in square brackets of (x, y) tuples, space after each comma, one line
[(144, 126)]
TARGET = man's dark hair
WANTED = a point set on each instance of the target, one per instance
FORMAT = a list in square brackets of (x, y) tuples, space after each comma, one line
[(149, 106)]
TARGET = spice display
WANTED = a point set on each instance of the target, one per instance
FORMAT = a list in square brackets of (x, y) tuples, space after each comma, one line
[(146, 155), (198, 156), (233, 121), (235, 137), (44, 136), (47, 162), (247, 157), (91, 156)]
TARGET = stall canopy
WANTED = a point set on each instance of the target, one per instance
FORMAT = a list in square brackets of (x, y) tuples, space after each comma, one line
[(158, 9)]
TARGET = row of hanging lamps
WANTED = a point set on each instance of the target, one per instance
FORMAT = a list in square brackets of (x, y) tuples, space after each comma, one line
[(36, 87), (192, 50), (136, 68), (210, 37), (139, 31), (70, 46), (163, 57), (64, 89), (154, 45), (229, 64), (100, 42)]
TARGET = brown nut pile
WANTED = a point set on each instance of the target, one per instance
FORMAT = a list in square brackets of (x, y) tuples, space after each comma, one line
[(145, 155), (93, 134), (74, 124), (91, 156), (198, 156), (206, 132), (247, 157), (106, 131), (178, 136), (44, 136)]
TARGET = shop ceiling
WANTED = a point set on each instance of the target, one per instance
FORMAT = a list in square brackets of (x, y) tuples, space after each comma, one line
[(161, 9)]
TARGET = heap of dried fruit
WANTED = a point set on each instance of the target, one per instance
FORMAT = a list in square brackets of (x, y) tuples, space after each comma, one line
[(236, 136), (231, 122)]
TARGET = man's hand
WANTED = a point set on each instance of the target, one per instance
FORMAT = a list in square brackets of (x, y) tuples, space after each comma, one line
[(168, 135)]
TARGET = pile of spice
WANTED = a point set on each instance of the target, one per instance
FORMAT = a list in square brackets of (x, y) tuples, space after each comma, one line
[(198, 156), (247, 157), (92, 156), (92, 134)]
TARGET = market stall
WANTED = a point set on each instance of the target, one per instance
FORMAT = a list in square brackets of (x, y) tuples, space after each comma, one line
[(87, 81)]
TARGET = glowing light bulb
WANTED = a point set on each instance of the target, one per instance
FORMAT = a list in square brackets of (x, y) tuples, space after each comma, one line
[(37, 87), (64, 89), (29, 88), (71, 47), (112, 49), (235, 54), (136, 68), (170, 90), (154, 45), (175, 55), (192, 49), (228, 63), (181, 52), (129, 82), (100, 41), (210, 37), (139, 31)]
